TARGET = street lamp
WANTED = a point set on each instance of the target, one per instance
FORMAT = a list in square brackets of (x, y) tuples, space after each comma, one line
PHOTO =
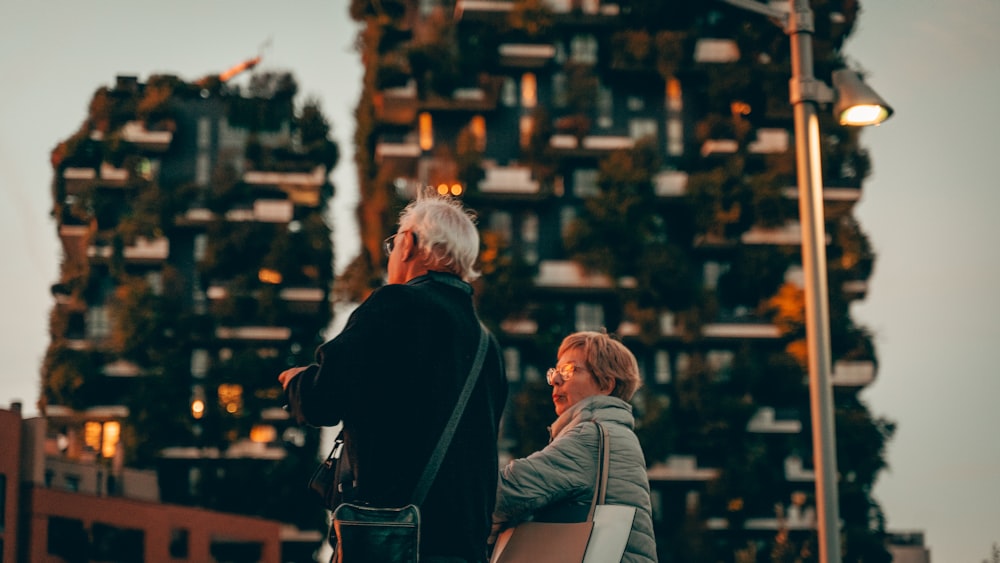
[(855, 104)]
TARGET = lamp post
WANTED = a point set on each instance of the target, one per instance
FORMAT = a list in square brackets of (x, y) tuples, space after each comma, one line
[(805, 94)]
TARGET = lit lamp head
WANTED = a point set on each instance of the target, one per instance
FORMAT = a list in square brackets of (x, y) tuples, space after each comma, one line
[(857, 104)]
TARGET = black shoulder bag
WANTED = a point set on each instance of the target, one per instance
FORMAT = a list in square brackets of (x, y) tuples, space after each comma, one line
[(392, 535)]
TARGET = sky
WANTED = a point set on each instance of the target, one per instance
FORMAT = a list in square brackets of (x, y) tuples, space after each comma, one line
[(929, 207)]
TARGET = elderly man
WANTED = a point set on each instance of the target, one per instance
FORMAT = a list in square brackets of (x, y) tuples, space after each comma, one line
[(393, 375)]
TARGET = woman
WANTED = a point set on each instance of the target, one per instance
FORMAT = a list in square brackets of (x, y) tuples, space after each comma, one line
[(594, 379)]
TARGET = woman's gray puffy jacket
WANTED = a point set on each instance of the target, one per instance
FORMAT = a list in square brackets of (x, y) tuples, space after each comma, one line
[(565, 471)]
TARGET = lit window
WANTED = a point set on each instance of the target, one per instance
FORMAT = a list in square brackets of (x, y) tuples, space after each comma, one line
[(527, 125), (263, 434), (112, 434), (529, 90), (639, 128), (508, 93), (231, 397), (478, 127), (426, 131), (605, 107), (267, 275)]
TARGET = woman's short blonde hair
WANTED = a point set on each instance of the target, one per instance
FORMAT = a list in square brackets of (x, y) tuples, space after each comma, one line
[(608, 359)]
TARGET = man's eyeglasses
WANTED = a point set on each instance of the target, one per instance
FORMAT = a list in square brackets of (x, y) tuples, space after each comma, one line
[(390, 241), (565, 371)]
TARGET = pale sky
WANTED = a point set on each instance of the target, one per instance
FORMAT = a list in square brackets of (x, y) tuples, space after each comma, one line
[(929, 207)]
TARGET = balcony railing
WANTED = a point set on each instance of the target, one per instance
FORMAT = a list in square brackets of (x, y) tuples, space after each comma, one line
[(765, 421), (526, 55), (508, 180), (158, 141), (853, 374), (302, 188), (254, 333), (569, 274), (681, 468)]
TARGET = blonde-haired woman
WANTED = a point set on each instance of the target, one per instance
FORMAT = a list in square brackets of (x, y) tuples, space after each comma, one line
[(594, 378)]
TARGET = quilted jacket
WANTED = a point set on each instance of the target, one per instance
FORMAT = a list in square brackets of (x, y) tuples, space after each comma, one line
[(563, 474)]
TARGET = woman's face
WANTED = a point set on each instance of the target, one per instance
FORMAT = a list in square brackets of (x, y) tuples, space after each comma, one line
[(566, 392)]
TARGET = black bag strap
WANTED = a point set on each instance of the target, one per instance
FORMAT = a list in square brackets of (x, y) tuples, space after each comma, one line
[(603, 463), (424, 485)]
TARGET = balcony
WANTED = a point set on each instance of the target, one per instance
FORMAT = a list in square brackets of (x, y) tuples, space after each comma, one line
[(713, 147), (397, 105), (509, 180), (526, 55), (490, 10), (670, 183), (78, 180), (136, 133), (591, 145), (853, 374), (519, 327), (716, 51), (144, 251), (837, 200), (302, 188), (769, 141), (566, 274), (765, 421), (299, 299), (264, 211), (741, 328), (795, 473), (788, 235), (681, 468), (121, 368), (254, 333), (404, 150)]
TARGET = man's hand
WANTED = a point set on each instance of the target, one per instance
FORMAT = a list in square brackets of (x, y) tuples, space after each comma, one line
[(287, 375)]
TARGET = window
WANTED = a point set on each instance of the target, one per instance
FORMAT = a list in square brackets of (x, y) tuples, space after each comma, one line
[(567, 215), (67, 538), (529, 237), (478, 128), (662, 361), (426, 131), (231, 397), (589, 316), (559, 92), (500, 222), (199, 362), (202, 168), (204, 132), (98, 322), (643, 127), (102, 437), (508, 94), (529, 90), (635, 103), (583, 49), (585, 182), (527, 126), (605, 107), (512, 363), (179, 541)]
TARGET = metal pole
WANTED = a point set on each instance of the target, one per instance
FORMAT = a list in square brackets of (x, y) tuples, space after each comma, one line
[(804, 90)]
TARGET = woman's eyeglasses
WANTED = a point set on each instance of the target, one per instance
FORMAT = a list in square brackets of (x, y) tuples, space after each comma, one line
[(564, 371)]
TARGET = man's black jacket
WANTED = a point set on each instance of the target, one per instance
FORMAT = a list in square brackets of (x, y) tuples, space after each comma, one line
[(393, 376)]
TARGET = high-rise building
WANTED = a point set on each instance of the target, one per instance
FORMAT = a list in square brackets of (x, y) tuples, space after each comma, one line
[(632, 164), (197, 265)]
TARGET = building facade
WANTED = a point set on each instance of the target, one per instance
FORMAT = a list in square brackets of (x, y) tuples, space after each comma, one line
[(632, 167), (197, 265)]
